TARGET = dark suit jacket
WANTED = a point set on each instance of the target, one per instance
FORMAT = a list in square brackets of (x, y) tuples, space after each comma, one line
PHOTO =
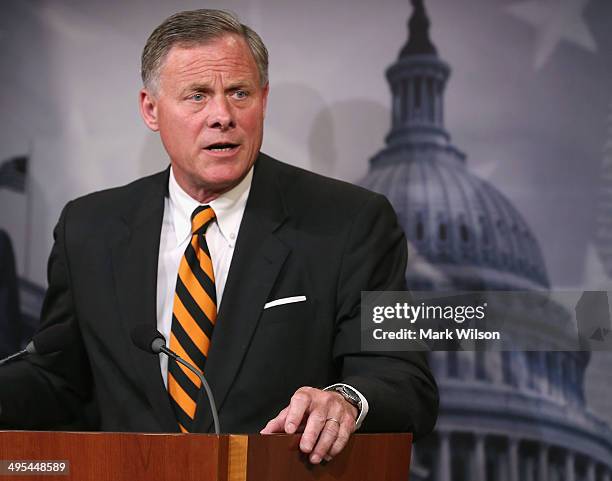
[(302, 234)]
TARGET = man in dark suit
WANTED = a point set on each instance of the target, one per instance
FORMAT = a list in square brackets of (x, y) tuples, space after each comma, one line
[(252, 268)]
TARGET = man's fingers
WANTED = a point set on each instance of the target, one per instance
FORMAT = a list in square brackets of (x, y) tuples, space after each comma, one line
[(273, 426), (314, 427), (344, 433), (299, 404), (338, 427), (327, 436), (290, 419), (277, 424), (323, 426)]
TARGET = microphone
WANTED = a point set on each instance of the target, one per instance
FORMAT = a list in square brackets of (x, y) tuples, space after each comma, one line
[(49, 340), (150, 340)]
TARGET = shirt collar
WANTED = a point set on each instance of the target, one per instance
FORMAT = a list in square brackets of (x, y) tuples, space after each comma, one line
[(229, 208)]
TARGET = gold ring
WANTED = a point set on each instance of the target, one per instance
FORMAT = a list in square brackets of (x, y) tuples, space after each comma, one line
[(334, 420)]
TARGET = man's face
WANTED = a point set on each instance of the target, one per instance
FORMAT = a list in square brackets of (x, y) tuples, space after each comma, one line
[(209, 110)]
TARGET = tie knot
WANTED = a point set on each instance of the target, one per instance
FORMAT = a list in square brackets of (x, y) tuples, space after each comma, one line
[(202, 216)]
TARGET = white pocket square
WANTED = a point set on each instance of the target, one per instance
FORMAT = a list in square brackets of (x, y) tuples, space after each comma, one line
[(284, 300)]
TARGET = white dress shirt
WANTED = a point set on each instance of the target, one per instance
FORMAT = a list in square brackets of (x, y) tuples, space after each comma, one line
[(221, 238)]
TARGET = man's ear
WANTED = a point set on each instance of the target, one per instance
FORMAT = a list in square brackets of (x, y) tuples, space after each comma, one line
[(266, 91), (148, 109)]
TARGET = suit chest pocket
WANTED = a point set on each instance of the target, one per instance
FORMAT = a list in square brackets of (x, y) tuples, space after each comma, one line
[(297, 309)]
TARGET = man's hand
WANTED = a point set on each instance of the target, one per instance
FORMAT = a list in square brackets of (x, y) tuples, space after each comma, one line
[(325, 417)]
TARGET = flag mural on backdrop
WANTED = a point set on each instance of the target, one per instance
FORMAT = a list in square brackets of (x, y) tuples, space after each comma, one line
[(554, 22), (603, 236), (13, 173), (520, 216)]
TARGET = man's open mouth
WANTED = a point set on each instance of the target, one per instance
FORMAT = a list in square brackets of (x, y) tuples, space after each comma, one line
[(221, 147)]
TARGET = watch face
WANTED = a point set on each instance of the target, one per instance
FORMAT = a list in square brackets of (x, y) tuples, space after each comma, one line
[(350, 396)]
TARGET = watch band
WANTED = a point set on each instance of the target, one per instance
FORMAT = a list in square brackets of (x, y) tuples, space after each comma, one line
[(349, 395), (354, 397)]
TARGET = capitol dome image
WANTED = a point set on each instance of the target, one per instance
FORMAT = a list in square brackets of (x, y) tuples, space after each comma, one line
[(507, 415)]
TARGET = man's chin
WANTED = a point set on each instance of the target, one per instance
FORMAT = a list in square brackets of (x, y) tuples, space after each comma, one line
[(223, 178)]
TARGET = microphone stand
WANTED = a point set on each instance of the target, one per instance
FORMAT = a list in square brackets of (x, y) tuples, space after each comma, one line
[(211, 399)]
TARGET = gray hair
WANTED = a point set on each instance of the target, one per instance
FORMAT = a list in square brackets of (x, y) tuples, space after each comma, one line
[(195, 27)]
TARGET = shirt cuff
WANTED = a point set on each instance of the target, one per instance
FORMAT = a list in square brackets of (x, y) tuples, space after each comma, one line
[(364, 402)]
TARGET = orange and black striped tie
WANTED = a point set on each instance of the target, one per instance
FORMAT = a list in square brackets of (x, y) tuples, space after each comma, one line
[(193, 318)]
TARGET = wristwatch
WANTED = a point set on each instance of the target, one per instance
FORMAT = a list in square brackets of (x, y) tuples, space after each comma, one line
[(348, 394), (352, 396)]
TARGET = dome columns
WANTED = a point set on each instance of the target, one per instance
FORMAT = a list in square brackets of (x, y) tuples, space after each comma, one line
[(513, 459), (570, 468), (590, 472), (444, 457), (491, 455), (417, 87), (480, 460), (543, 461)]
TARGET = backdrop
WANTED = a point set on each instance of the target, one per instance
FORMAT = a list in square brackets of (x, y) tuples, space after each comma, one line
[(529, 101)]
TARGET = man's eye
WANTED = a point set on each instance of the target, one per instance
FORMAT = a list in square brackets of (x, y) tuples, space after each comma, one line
[(240, 94), (197, 97)]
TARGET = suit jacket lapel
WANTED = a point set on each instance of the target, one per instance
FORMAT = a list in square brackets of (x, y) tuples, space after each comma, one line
[(135, 255), (256, 263)]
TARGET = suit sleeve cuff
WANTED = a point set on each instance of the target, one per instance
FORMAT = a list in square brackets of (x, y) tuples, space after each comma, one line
[(364, 402)]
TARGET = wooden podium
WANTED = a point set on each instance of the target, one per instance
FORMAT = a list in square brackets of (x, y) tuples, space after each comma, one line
[(196, 457)]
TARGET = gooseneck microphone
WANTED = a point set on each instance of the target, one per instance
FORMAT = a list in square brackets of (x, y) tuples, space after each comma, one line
[(29, 349), (49, 340), (152, 341)]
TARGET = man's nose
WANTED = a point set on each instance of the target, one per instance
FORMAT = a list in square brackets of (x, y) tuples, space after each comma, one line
[(220, 114)]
